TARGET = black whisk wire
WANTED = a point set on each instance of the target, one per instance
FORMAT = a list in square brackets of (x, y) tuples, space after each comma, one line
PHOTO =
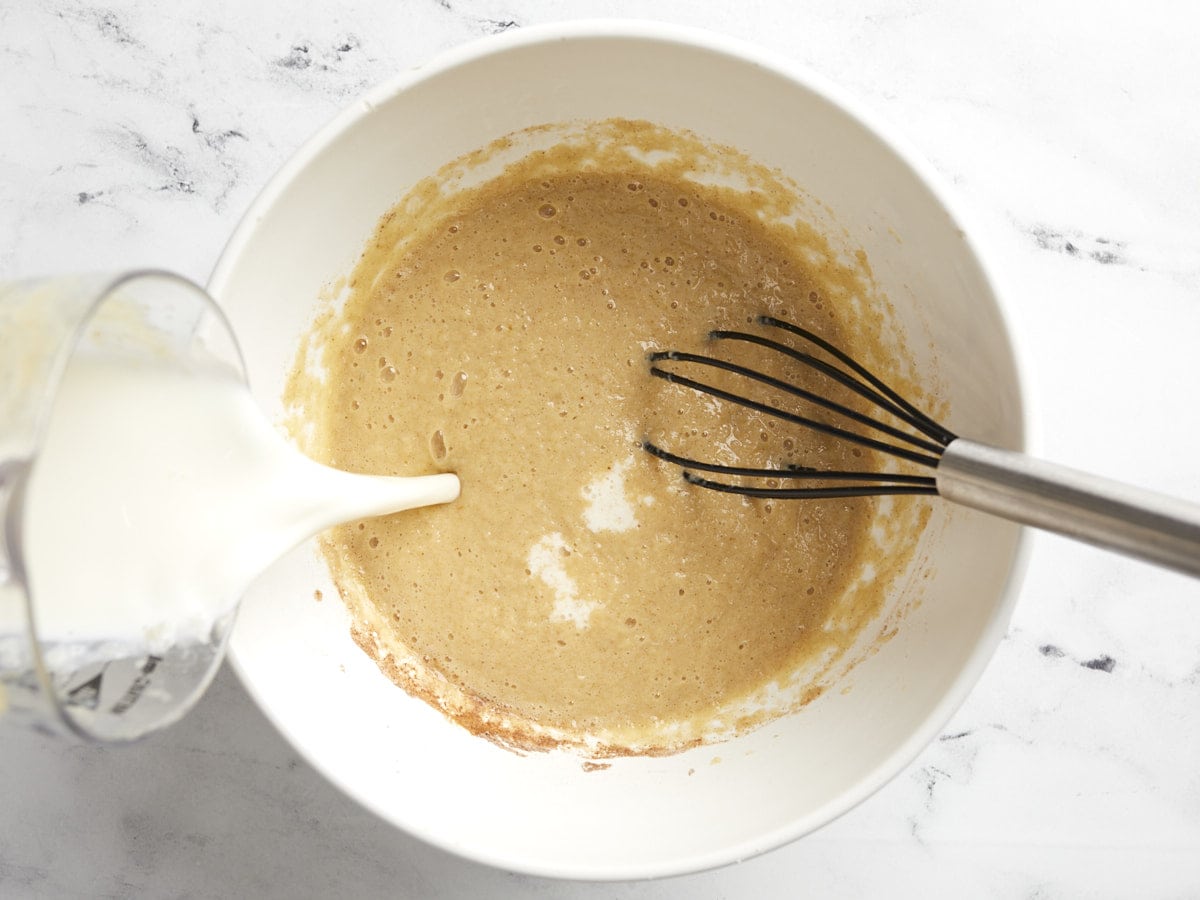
[(929, 426), (858, 379), (880, 482), (815, 425), (794, 390)]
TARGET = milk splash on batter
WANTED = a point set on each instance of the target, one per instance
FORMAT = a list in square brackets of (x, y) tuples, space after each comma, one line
[(608, 506), (547, 562)]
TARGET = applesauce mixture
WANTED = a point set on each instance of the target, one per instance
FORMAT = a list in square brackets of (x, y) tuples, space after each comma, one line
[(579, 592)]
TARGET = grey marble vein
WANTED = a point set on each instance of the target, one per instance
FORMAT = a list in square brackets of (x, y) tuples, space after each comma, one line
[(1105, 251)]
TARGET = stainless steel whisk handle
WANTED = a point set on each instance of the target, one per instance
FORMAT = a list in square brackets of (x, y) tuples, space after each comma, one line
[(1140, 523)]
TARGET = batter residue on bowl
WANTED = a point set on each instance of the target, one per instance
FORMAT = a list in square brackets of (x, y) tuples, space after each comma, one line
[(580, 593)]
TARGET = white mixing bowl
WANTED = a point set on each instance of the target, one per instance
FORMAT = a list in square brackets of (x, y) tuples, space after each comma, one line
[(542, 813)]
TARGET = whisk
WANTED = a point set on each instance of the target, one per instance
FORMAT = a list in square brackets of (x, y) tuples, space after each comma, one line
[(1150, 526)]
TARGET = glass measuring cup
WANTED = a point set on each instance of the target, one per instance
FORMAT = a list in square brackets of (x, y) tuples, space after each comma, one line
[(103, 693)]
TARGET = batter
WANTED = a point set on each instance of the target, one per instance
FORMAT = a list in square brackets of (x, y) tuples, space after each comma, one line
[(580, 593)]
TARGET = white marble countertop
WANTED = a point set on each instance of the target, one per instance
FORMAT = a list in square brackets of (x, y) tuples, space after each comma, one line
[(136, 133)]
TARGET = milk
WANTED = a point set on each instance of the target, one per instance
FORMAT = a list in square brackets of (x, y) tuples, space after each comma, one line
[(158, 496)]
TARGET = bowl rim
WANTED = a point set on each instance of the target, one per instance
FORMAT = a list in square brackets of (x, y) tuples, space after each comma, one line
[(743, 51)]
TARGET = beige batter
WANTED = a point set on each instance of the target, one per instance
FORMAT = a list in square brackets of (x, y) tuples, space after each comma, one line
[(580, 592)]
